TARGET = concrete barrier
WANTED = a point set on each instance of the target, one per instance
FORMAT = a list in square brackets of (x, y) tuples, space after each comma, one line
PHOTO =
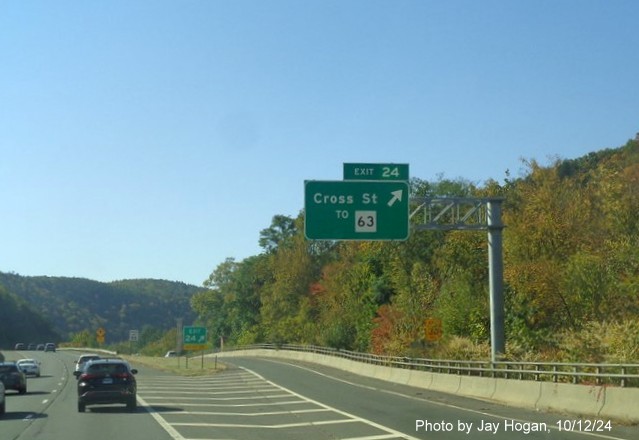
[(579, 399), (477, 387), (620, 404), (615, 403), (420, 379), (381, 373), (445, 383), (400, 375), (520, 393)]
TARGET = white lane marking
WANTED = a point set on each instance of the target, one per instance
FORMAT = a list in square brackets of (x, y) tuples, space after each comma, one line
[(236, 405), (185, 393), (338, 411), (446, 405), (163, 423), (372, 437), (272, 396), (44, 402), (349, 418), (198, 379), (199, 387), (223, 413), (281, 426)]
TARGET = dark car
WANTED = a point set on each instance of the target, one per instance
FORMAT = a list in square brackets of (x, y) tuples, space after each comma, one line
[(107, 381), (49, 346), (3, 403), (12, 377), (20, 346)]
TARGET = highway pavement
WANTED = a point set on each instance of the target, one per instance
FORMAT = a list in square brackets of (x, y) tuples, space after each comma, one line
[(49, 409), (258, 399)]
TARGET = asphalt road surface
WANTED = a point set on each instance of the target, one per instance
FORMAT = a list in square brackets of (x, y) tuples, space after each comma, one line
[(258, 399)]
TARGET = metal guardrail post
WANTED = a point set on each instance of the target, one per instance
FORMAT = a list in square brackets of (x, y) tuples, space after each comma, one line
[(521, 372), (598, 378)]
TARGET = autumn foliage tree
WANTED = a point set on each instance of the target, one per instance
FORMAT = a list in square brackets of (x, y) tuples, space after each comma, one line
[(571, 265)]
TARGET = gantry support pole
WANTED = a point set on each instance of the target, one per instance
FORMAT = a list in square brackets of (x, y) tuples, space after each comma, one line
[(496, 277), (474, 214)]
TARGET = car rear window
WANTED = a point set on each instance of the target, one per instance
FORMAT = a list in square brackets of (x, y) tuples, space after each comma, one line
[(107, 369), (8, 368)]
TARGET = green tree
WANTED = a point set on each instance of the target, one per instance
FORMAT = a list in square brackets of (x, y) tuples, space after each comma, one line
[(282, 229), (348, 295), (282, 313), (84, 338), (548, 219), (231, 304)]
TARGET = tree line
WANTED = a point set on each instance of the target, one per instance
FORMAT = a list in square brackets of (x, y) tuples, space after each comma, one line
[(74, 308), (571, 273)]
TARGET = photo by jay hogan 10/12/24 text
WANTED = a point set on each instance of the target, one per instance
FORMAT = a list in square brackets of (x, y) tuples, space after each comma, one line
[(511, 425)]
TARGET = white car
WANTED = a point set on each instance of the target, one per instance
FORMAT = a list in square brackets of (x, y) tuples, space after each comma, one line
[(30, 367), (3, 408), (83, 359)]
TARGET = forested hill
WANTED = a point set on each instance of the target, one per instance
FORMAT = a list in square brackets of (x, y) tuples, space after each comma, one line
[(72, 305), (571, 275), (18, 322)]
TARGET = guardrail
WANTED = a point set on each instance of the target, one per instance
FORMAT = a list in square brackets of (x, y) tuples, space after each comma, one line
[(623, 375)]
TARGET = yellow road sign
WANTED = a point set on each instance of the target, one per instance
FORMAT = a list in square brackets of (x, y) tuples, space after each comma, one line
[(433, 329)]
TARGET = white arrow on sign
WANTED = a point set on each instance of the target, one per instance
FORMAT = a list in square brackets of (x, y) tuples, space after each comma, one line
[(397, 197)]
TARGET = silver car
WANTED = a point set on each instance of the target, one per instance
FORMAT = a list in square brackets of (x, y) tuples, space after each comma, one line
[(30, 367)]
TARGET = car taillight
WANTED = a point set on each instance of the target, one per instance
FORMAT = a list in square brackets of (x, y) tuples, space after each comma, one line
[(123, 376), (87, 376)]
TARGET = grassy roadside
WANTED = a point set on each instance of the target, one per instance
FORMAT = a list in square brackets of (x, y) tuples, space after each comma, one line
[(182, 366)]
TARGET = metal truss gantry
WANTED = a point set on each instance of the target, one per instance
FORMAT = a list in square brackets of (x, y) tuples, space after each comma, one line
[(471, 214)]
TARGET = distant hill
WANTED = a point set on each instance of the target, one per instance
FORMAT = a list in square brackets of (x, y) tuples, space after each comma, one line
[(72, 305), (19, 323)]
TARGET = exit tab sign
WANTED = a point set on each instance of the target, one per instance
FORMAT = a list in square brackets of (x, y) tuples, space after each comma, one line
[(356, 210), (376, 171), (194, 338)]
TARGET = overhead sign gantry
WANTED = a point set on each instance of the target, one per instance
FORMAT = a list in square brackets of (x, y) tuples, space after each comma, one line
[(372, 203)]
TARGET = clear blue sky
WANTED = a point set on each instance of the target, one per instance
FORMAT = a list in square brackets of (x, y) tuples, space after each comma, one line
[(154, 139)]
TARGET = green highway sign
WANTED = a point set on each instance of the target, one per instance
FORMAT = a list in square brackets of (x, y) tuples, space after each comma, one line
[(356, 210), (376, 171), (194, 338)]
